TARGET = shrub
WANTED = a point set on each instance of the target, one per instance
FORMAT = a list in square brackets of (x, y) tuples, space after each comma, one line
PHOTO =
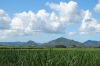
[(60, 46)]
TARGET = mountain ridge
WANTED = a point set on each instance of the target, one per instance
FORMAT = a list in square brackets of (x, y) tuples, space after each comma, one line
[(58, 41), (63, 41), (31, 43), (92, 43)]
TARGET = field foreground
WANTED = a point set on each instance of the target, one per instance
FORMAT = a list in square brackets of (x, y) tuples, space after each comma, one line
[(50, 57)]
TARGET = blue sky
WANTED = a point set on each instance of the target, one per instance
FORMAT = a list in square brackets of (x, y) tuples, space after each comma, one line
[(42, 21)]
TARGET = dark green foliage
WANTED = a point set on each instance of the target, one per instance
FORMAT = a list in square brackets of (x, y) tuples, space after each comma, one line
[(50, 57), (60, 46), (74, 46)]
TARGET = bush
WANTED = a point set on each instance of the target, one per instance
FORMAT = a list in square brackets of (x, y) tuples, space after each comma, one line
[(60, 46)]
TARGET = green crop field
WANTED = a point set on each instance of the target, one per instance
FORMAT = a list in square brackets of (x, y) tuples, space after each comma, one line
[(50, 57)]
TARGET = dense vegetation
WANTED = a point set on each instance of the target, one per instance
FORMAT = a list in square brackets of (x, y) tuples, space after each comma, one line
[(50, 57), (60, 46)]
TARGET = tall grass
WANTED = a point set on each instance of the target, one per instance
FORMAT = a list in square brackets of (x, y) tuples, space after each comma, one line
[(50, 57)]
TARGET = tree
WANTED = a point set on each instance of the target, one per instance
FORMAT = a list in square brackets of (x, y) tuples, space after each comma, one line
[(60, 46), (74, 46)]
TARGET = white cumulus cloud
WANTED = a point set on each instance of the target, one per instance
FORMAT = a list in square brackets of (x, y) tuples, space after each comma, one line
[(68, 12), (4, 20), (97, 7), (63, 14), (72, 33), (29, 23), (89, 24), (39, 22)]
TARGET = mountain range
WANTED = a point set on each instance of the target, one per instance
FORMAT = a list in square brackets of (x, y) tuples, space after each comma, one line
[(92, 43), (63, 41), (59, 41), (12, 43)]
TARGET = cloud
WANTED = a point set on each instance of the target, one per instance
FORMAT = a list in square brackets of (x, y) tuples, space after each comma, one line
[(72, 33), (84, 33), (68, 12), (89, 24), (4, 20), (97, 7), (63, 14), (29, 23), (7, 33), (42, 21)]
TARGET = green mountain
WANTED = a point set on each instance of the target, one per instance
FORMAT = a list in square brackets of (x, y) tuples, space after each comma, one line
[(31, 43), (92, 43), (63, 41)]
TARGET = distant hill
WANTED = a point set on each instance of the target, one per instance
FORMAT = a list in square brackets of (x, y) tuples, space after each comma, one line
[(63, 41), (91, 43), (12, 43), (59, 41), (31, 43)]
